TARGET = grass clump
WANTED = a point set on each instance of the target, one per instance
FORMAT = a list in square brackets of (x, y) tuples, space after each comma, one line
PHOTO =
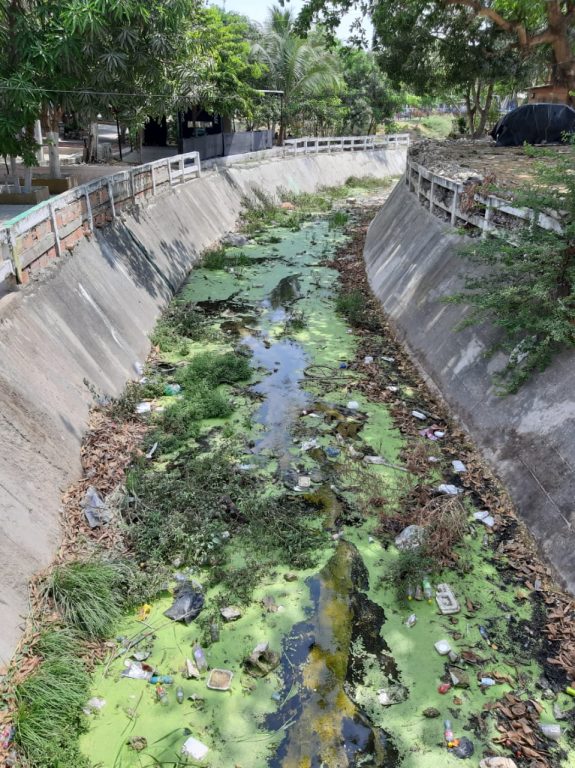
[(409, 570), (215, 258), (352, 305), (49, 716), (181, 322), (90, 596), (337, 220), (215, 369)]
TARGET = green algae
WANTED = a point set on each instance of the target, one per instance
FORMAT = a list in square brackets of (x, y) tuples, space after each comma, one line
[(235, 724)]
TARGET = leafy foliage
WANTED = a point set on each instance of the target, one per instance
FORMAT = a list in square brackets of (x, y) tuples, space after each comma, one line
[(525, 285)]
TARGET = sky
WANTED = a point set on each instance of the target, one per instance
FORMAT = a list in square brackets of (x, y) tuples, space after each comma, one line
[(258, 10)]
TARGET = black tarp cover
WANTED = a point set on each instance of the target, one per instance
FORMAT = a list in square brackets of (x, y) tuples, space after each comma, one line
[(534, 124)]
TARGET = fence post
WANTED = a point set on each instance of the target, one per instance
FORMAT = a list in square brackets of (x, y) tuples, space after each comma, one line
[(55, 230), (111, 199), (132, 185), (418, 183), (89, 210), (487, 219), (169, 171), (431, 191), (153, 180), (454, 204), (181, 167), (14, 256), (198, 163)]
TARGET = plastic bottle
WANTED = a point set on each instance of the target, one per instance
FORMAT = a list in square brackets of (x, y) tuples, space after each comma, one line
[(410, 591), (570, 691), (427, 590), (161, 695), (200, 657), (447, 732), (180, 694)]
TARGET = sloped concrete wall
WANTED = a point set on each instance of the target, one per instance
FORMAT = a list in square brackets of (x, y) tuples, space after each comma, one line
[(88, 316), (529, 438)]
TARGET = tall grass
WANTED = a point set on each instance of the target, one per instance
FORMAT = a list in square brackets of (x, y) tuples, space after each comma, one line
[(89, 596), (49, 717)]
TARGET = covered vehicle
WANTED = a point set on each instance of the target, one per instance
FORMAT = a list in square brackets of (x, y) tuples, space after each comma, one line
[(535, 124)]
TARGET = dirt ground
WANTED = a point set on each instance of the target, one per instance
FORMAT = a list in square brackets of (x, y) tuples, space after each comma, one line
[(461, 160)]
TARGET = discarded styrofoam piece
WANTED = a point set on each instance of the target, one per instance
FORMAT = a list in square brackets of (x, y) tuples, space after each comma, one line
[(498, 762), (231, 613), (439, 433), (449, 490), (392, 388), (384, 698), (93, 705), (353, 405), (260, 648), (194, 748), (143, 408), (304, 481), (137, 671), (191, 670), (410, 538), (442, 647), (445, 599), (419, 415), (388, 359), (374, 460), (551, 731), (368, 360), (220, 680), (458, 466), (484, 517), (307, 445)]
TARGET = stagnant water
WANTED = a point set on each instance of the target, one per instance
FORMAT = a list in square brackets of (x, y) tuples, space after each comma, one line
[(352, 678)]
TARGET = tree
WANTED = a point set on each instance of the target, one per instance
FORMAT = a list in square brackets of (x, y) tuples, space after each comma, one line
[(302, 69), (526, 24), (370, 98)]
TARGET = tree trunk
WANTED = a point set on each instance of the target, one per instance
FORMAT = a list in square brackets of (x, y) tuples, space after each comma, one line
[(483, 112), (563, 65), (54, 155), (27, 179)]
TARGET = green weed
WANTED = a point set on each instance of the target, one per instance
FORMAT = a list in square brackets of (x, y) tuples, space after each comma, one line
[(337, 220), (215, 258), (89, 595), (214, 369), (49, 717), (352, 306)]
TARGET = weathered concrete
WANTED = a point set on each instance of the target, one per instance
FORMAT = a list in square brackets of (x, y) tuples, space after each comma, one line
[(88, 316), (529, 438)]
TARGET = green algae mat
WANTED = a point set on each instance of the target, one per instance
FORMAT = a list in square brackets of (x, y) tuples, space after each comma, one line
[(331, 665)]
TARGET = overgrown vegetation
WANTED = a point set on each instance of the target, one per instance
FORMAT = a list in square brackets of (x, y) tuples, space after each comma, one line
[(90, 596), (351, 304), (181, 322), (188, 510), (221, 258), (50, 701), (524, 284)]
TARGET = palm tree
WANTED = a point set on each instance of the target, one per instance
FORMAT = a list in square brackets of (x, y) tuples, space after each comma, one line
[(301, 68)]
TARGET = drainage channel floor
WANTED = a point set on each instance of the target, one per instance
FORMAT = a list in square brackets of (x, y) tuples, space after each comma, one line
[(326, 671)]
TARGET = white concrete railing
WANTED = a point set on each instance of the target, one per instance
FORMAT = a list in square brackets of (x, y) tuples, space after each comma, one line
[(108, 192), (443, 198), (314, 145)]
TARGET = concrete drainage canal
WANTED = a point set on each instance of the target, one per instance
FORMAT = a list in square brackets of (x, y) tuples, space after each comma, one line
[(305, 565)]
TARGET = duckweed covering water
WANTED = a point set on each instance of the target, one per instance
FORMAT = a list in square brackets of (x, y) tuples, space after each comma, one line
[(353, 679)]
